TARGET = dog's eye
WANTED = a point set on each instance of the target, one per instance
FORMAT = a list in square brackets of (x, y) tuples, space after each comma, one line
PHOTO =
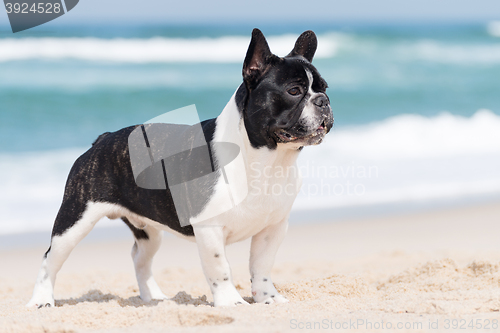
[(294, 91)]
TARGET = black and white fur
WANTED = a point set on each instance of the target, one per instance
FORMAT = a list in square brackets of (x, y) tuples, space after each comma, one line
[(279, 108)]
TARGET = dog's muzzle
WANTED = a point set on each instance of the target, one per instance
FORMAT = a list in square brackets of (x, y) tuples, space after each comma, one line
[(315, 130)]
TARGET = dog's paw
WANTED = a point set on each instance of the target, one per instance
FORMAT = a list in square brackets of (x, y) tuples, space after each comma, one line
[(230, 302), (277, 298), (150, 291), (228, 297), (263, 291), (160, 297), (39, 303), (268, 298), (155, 297)]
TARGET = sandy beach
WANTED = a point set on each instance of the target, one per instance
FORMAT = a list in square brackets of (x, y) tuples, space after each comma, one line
[(427, 272)]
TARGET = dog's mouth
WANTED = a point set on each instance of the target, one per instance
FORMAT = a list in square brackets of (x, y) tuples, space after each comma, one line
[(285, 136)]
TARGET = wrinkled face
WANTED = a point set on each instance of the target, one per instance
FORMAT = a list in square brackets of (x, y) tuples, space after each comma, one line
[(290, 105), (284, 101)]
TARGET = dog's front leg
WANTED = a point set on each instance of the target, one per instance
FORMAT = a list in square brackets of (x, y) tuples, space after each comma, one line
[(211, 246), (263, 250)]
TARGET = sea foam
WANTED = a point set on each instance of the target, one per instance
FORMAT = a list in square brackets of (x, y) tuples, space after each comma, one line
[(224, 49), (412, 136), (232, 49), (402, 159)]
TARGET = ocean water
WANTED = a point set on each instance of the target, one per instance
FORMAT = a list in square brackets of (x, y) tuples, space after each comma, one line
[(416, 107)]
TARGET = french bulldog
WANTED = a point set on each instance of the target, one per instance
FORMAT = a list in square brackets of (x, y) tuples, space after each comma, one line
[(280, 107)]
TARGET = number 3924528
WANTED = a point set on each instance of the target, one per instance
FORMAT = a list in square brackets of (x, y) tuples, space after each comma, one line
[(40, 8)]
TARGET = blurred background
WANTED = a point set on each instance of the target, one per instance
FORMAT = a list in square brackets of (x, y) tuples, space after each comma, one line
[(414, 87)]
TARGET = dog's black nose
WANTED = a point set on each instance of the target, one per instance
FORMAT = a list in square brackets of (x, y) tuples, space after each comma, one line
[(321, 101)]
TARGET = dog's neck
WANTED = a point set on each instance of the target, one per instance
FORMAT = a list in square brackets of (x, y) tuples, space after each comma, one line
[(231, 118)]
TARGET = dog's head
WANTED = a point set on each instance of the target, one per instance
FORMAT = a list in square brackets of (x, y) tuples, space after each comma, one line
[(283, 100)]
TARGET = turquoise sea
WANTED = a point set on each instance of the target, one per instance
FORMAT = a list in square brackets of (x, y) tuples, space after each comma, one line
[(416, 106)]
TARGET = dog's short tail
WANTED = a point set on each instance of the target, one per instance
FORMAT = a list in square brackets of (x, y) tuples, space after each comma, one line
[(99, 139)]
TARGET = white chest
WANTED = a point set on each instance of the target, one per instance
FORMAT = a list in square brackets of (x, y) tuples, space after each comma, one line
[(254, 191), (272, 189)]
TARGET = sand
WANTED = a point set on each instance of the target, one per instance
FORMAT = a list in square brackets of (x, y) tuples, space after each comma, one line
[(428, 272)]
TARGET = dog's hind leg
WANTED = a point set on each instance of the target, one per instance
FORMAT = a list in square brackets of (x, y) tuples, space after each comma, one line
[(74, 221), (147, 243)]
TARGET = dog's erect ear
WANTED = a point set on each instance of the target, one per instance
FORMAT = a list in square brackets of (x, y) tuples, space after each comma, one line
[(305, 46), (258, 57)]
